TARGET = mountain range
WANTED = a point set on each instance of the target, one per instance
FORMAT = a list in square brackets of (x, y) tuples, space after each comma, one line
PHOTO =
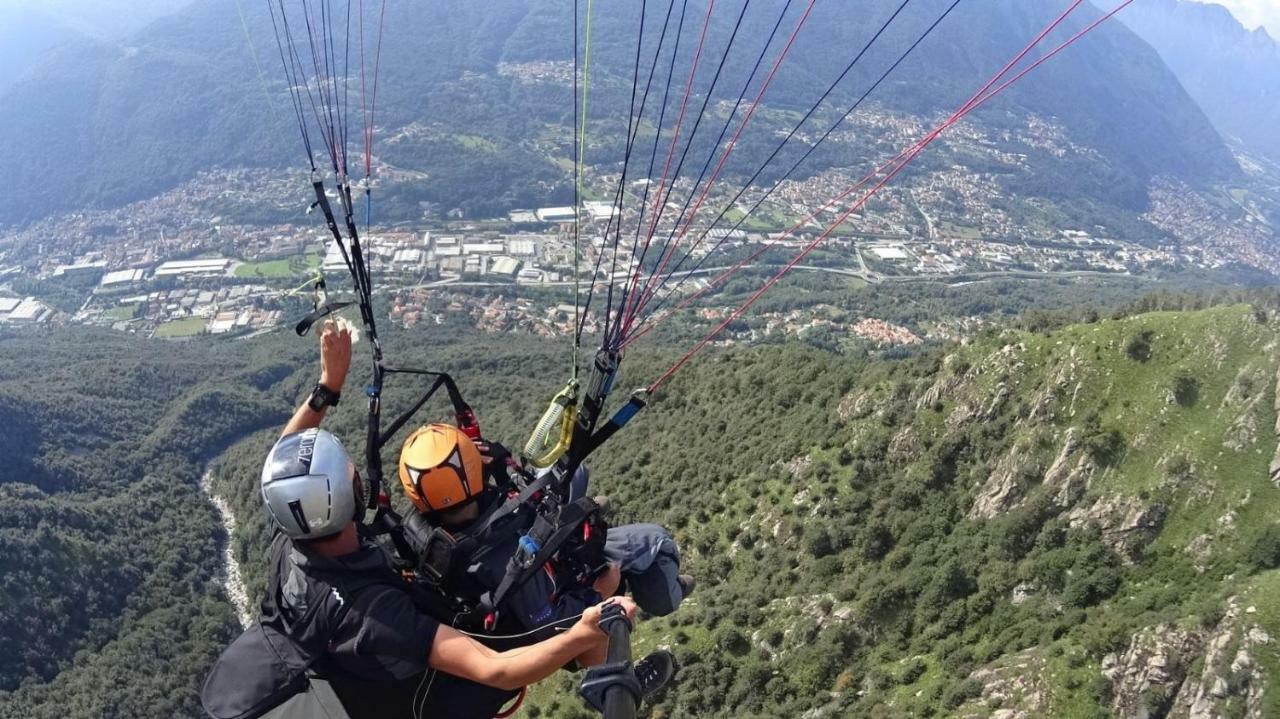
[(104, 122), (1231, 72), (30, 29)]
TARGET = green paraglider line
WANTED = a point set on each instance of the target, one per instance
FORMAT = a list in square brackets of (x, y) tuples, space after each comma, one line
[(580, 151), (253, 52)]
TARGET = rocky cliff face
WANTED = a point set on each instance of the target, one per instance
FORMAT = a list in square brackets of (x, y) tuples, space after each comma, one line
[(1188, 447), (1171, 671), (1275, 461)]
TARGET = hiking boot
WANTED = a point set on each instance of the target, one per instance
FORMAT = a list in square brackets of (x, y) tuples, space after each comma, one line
[(687, 584), (654, 671)]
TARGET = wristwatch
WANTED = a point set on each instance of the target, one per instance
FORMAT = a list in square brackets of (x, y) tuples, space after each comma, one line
[(322, 397)]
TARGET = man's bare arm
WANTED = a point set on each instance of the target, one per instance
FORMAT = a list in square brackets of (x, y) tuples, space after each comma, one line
[(335, 362), (457, 654)]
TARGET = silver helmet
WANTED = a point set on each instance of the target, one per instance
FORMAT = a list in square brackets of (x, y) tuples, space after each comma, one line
[(308, 484)]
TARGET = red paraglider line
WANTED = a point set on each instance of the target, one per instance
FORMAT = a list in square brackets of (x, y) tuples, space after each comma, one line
[(650, 286), (971, 104), (675, 138), (905, 159)]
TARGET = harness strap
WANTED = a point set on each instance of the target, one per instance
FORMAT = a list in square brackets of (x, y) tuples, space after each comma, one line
[(520, 569)]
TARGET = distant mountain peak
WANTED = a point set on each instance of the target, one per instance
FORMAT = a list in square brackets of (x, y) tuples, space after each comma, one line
[(1233, 73)]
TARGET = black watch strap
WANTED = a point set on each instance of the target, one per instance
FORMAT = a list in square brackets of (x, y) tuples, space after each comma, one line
[(322, 397)]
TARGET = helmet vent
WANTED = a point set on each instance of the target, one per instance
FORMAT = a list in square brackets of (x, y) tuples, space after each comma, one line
[(295, 508)]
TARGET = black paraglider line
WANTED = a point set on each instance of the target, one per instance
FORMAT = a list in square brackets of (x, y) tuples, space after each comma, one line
[(579, 127), (632, 125), (294, 95), (684, 154), (715, 146), (325, 119), (629, 286), (675, 136), (620, 194), (777, 150), (614, 225), (653, 155), (904, 159), (346, 74)]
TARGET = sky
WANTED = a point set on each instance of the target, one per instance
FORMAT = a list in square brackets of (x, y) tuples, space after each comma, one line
[(1253, 13)]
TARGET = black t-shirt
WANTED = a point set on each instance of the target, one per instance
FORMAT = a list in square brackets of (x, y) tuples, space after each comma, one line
[(377, 657), (383, 636)]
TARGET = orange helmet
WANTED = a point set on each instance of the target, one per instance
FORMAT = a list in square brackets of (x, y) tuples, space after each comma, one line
[(440, 468)]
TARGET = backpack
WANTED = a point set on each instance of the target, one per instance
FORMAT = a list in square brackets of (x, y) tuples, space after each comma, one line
[(270, 663)]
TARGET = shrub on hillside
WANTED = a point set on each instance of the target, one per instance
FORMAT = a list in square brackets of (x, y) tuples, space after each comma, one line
[(1139, 347), (1265, 552)]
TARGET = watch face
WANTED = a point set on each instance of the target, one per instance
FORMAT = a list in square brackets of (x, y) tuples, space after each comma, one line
[(321, 397)]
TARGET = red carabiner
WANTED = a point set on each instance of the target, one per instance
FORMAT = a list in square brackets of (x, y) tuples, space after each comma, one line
[(468, 423)]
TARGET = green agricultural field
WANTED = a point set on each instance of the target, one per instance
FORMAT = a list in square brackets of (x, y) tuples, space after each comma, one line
[(121, 312), (475, 142), (279, 269), (181, 328), (760, 221), (964, 233)]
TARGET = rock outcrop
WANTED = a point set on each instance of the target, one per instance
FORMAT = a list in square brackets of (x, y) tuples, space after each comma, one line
[(1007, 484), (1068, 477), (1184, 673), (1128, 524), (1147, 676), (1014, 688), (1275, 461), (942, 389)]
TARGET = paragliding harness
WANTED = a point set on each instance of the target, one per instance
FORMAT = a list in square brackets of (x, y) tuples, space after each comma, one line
[(566, 540)]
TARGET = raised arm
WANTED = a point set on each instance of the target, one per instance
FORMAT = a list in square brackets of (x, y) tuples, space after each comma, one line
[(455, 653), (335, 362)]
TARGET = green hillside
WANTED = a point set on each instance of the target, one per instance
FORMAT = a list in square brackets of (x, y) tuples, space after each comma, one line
[(1077, 522), (861, 529)]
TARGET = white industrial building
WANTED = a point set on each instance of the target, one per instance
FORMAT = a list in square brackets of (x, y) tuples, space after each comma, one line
[(505, 266), (522, 248), (121, 279), (600, 210), (194, 268), (29, 311), (555, 214), (407, 259), (892, 253), (80, 269)]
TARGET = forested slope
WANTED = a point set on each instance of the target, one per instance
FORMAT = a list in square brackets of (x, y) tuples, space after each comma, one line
[(107, 549)]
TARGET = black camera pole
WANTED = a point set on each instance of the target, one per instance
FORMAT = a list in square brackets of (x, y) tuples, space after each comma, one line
[(612, 688)]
